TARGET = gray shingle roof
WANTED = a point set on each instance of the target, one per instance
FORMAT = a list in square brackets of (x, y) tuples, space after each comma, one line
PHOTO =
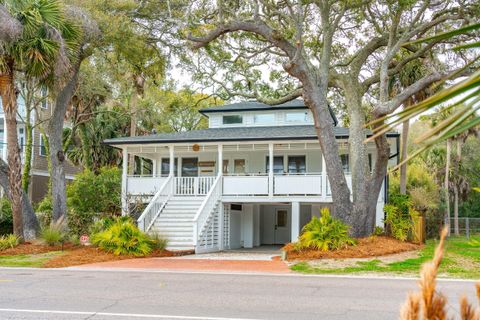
[(255, 105), (301, 132)]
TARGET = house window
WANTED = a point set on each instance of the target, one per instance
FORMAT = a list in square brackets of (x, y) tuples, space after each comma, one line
[(189, 167), (267, 118), (282, 218), (296, 117), (239, 166), (165, 167), (42, 146), (370, 161), (44, 94), (345, 162), (233, 119), (277, 164), (143, 167), (297, 164)]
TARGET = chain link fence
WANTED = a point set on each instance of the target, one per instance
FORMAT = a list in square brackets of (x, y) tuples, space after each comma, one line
[(466, 227)]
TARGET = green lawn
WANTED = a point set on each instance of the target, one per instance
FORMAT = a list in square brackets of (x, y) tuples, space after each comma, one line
[(27, 260), (462, 260)]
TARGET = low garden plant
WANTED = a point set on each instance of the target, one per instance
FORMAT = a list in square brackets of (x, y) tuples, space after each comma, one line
[(122, 237), (54, 234), (324, 233), (8, 241)]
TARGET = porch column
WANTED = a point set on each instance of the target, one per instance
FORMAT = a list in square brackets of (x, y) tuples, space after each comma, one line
[(270, 169), (324, 179), (220, 160), (154, 168), (172, 161), (124, 181), (295, 220)]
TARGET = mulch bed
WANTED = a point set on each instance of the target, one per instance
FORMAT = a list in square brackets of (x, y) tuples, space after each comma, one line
[(365, 248), (77, 255), (34, 248)]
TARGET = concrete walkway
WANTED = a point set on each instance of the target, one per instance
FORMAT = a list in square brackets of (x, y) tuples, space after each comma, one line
[(195, 264), (261, 260)]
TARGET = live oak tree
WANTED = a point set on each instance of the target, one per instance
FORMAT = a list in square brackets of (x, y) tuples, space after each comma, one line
[(275, 51)]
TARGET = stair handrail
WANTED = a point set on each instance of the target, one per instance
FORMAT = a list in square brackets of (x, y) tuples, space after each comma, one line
[(156, 205), (205, 209)]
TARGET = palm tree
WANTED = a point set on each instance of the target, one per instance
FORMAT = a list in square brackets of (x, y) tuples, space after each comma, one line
[(37, 45)]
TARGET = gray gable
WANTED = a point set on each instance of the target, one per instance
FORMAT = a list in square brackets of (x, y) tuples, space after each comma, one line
[(301, 132)]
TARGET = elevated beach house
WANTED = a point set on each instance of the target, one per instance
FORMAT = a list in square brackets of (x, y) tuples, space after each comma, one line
[(256, 176)]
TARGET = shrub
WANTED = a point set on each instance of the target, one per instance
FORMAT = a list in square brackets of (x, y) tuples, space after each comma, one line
[(96, 193), (378, 231), (399, 223), (79, 222), (122, 237), (6, 218), (8, 241), (54, 234), (324, 233)]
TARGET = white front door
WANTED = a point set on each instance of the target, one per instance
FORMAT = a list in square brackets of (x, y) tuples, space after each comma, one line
[(282, 223)]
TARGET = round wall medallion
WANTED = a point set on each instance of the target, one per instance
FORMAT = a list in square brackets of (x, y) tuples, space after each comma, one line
[(196, 147)]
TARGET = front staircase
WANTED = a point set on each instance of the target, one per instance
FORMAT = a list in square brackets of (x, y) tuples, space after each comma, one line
[(187, 213), (175, 222)]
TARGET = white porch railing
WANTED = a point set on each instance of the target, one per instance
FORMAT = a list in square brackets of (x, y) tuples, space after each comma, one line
[(156, 205), (144, 184), (206, 220), (193, 185), (245, 185), (298, 184)]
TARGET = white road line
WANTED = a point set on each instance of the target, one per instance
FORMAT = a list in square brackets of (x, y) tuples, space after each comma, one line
[(223, 273), (111, 314)]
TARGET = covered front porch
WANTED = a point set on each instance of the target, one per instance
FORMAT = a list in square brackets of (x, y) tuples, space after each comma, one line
[(269, 170)]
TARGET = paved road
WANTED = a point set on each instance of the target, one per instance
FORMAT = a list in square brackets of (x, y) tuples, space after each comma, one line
[(68, 294)]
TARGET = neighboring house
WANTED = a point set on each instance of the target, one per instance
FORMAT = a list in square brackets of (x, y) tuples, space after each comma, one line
[(39, 171), (255, 177)]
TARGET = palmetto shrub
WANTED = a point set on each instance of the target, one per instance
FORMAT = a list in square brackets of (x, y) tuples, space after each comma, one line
[(122, 237), (8, 241), (324, 233)]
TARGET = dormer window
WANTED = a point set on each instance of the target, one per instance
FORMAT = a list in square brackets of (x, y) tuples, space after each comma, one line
[(233, 119), (266, 118), (296, 117)]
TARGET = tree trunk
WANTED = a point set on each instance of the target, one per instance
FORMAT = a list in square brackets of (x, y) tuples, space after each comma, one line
[(30, 221), (446, 191), (9, 100), (455, 190), (56, 154), (358, 160), (342, 206), (27, 164), (403, 156)]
